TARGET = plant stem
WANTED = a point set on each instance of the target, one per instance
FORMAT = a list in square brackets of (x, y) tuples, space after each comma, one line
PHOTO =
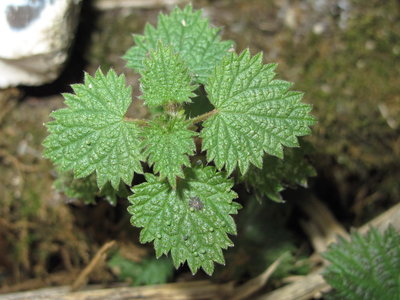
[(203, 117), (140, 122)]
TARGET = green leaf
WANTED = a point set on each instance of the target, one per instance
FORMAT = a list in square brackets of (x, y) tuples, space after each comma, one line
[(367, 267), (91, 133), (278, 174), (148, 271), (255, 113), (189, 34), (165, 78), (167, 144), (191, 221), (111, 195), (86, 189)]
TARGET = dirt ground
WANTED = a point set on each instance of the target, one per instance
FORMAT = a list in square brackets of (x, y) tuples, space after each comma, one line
[(343, 54)]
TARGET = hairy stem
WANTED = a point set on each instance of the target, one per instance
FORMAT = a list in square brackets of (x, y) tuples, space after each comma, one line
[(203, 117), (140, 122)]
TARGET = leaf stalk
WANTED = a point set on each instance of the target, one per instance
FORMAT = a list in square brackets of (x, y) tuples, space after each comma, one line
[(203, 117), (140, 122)]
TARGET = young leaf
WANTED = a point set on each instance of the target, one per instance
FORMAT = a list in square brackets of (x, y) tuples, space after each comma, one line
[(278, 174), (148, 271), (165, 78), (84, 189), (255, 113), (191, 221), (111, 195), (367, 267), (189, 34), (168, 142), (91, 133)]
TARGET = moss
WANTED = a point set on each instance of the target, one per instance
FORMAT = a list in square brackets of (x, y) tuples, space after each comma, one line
[(348, 72), (350, 77), (112, 36), (34, 223)]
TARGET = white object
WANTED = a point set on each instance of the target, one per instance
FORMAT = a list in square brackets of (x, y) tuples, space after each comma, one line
[(34, 39)]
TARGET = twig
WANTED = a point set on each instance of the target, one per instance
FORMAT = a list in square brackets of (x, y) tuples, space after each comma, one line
[(322, 228), (254, 285), (115, 4), (303, 289), (382, 222), (62, 277), (194, 290), (99, 257)]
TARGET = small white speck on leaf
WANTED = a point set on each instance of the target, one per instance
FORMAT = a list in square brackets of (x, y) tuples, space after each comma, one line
[(195, 204)]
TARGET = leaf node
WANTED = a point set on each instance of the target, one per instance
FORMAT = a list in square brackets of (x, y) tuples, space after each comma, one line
[(189, 34), (165, 78), (167, 144)]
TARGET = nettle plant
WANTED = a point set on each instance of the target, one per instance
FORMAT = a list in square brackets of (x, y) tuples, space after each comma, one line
[(185, 205)]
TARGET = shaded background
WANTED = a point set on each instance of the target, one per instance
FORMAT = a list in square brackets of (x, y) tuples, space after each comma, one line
[(345, 56)]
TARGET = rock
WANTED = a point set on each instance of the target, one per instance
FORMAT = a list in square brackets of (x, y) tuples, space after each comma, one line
[(35, 37)]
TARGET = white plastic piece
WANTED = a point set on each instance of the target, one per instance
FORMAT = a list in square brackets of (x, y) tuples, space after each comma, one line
[(35, 38)]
